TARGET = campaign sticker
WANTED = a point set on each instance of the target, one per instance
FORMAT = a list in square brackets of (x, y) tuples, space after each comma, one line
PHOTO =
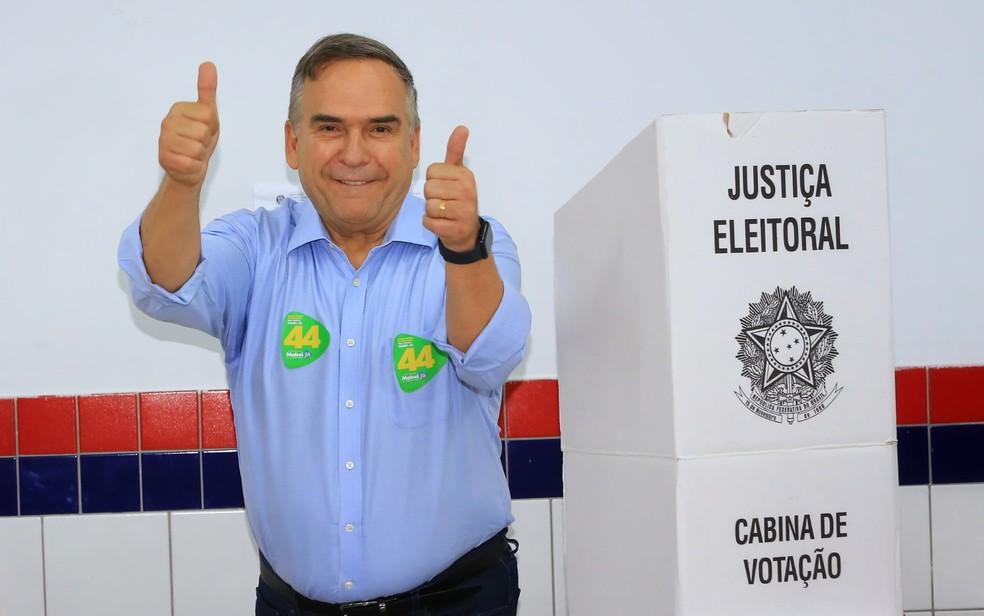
[(304, 340), (416, 361)]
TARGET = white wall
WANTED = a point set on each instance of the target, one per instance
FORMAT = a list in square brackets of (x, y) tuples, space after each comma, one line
[(192, 563), (551, 91)]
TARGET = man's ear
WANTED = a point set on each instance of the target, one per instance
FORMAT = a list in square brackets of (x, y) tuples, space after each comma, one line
[(415, 146), (290, 145)]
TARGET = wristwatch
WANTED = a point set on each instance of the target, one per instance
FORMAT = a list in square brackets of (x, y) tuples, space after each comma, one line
[(482, 249)]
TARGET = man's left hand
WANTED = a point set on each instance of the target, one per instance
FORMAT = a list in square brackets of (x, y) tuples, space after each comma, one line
[(452, 199)]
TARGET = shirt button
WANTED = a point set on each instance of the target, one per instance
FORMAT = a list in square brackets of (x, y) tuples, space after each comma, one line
[(348, 585), (356, 282), (349, 404), (350, 465), (350, 342), (349, 528)]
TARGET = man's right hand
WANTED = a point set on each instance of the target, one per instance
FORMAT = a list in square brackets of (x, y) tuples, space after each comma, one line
[(169, 228), (190, 132)]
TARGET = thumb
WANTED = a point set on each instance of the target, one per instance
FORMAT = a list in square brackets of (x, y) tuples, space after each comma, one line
[(208, 79), (456, 146)]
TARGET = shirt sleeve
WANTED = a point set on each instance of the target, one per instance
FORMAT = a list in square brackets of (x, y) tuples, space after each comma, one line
[(500, 347), (214, 299)]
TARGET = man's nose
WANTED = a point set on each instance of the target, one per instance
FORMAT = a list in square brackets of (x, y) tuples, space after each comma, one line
[(355, 152)]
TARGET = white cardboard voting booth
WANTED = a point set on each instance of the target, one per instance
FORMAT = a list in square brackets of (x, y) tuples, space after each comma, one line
[(726, 371)]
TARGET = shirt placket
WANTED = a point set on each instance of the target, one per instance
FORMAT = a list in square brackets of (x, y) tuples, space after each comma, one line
[(351, 417)]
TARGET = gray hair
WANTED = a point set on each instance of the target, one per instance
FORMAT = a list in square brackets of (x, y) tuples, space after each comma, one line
[(348, 47)]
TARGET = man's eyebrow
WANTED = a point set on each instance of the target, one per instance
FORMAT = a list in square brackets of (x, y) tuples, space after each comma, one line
[(322, 118), (387, 119)]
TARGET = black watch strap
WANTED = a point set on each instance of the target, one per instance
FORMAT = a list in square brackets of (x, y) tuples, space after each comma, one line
[(482, 249)]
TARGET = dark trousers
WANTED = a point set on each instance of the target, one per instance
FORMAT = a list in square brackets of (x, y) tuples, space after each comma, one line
[(498, 595)]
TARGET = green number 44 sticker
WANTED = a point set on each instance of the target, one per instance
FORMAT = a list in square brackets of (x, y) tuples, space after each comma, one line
[(416, 361), (303, 340)]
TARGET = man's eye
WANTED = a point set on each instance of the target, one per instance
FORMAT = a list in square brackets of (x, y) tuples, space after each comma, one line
[(382, 129), (329, 128)]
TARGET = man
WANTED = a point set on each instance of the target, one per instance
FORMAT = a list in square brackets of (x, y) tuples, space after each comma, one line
[(367, 335)]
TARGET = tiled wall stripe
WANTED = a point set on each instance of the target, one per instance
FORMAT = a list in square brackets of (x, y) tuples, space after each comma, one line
[(108, 423), (175, 450), (218, 431), (957, 453), (532, 408), (941, 425), (46, 425), (7, 438), (955, 394), (913, 453), (910, 396), (169, 420)]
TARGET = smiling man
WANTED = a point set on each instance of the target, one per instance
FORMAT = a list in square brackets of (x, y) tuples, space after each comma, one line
[(367, 335)]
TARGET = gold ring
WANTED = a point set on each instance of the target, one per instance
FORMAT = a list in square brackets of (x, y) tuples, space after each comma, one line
[(442, 206)]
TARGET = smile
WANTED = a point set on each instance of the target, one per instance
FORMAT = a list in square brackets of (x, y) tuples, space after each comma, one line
[(354, 182)]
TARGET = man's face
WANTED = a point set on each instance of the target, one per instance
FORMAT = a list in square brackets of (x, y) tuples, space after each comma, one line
[(353, 147)]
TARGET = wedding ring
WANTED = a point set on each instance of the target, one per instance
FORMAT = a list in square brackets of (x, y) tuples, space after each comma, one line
[(442, 206)]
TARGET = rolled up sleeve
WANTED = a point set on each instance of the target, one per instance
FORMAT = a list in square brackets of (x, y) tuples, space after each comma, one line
[(500, 346), (214, 298)]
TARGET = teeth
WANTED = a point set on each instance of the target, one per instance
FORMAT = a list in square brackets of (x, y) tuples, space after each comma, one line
[(354, 182)]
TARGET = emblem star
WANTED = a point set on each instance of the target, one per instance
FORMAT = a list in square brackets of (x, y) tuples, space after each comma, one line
[(775, 371)]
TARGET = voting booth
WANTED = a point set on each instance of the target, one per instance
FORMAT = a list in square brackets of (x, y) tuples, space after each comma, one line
[(726, 371)]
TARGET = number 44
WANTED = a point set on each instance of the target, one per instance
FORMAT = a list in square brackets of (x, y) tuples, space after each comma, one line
[(415, 361), (297, 339)]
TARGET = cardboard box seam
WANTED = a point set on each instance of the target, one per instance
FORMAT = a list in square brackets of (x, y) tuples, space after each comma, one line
[(729, 454)]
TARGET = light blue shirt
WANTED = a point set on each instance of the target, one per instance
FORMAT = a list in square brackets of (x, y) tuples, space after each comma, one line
[(353, 487)]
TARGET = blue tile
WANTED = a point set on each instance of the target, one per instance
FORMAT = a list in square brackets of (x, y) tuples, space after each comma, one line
[(8, 486), (958, 453), (172, 480), (110, 483), (535, 468), (223, 485), (913, 452), (502, 456), (49, 484)]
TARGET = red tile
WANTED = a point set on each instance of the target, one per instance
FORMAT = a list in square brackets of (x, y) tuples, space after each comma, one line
[(502, 418), (218, 428), (7, 444), (169, 420), (532, 408), (46, 425), (910, 396), (108, 422), (955, 394)]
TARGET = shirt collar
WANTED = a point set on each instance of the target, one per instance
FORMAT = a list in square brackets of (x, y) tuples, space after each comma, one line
[(406, 227)]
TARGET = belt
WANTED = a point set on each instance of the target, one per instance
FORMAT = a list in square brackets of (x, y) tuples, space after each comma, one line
[(441, 588)]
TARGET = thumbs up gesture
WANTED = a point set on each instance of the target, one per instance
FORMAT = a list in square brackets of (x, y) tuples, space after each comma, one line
[(190, 132), (452, 199)]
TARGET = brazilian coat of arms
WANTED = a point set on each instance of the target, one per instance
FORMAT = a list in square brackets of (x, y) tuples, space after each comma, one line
[(786, 347)]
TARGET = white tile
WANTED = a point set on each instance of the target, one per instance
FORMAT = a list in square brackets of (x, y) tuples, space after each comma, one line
[(958, 543), (557, 528), (918, 614), (111, 565), (215, 563), (21, 569), (532, 529), (914, 525)]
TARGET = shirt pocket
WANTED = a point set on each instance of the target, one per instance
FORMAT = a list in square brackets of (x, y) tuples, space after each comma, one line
[(420, 381)]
